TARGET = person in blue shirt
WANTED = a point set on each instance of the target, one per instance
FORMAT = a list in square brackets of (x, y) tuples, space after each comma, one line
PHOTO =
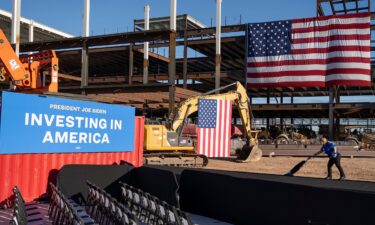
[(330, 149)]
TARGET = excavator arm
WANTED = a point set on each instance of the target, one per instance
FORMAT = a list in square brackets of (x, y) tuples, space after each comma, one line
[(164, 144), (250, 151), (28, 72), (238, 96)]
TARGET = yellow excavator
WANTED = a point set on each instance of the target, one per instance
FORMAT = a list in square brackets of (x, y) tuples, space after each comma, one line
[(164, 144)]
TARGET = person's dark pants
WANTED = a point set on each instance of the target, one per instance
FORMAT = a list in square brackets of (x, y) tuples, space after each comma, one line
[(335, 161)]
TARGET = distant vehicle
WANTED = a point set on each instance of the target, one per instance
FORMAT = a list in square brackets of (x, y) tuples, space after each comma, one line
[(362, 137), (368, 141), (291, 136)]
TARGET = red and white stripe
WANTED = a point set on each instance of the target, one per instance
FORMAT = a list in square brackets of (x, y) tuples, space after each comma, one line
[(326, 51), (215, 142)]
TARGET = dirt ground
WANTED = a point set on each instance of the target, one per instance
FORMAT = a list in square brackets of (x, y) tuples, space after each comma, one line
[(355, 168)]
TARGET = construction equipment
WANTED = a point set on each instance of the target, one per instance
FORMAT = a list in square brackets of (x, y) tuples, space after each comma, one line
[(368, 141), (290, 136), (165, 145), (365, 138), (265, 136), (37, 72)]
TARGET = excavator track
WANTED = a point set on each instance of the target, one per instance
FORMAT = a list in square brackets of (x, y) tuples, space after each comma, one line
[(175, 159)]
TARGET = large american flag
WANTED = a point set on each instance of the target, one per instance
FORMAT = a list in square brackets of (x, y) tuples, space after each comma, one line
[(214, 127), (323, 51)]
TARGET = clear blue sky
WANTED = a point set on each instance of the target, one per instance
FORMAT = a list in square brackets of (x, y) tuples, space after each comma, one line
[(110, 16)]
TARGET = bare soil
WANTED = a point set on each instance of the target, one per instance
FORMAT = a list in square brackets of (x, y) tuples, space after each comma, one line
[(355, 168)]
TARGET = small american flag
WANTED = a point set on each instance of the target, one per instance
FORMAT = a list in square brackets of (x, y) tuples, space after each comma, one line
[(214, 127), (323, 51)]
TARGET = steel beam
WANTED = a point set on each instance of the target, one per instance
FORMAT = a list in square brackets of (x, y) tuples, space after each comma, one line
[(109, 88), (356, 5), (319, 9), (332, 9), (351, 10), (345, 9), (310, 107), (153, 77), (69, 77), (211, 30), (100, 40)]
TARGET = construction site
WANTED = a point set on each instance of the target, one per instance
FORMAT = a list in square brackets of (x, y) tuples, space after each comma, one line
[(180, 122)]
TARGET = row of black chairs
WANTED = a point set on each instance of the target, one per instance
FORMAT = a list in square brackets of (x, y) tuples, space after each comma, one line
[(150, 209), (65, 211), (24, 213), (107, 210)]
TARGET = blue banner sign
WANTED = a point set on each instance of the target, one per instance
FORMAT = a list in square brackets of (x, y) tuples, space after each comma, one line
[(40, 124)]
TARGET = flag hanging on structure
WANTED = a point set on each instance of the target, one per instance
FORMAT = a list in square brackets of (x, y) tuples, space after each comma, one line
[(214, 127), (323, 51)]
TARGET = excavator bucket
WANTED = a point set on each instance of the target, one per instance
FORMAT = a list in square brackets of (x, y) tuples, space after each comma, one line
[(250, 153)]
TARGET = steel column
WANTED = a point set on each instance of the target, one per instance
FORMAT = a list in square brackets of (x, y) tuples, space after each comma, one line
[(291, 102), (172, 69), (337, 94), (172, 54), (31, 31), (86, 19), (292, 98), (16, 17), (184, 72), (173, 10), (268, 102), (218, 44), (330, 114), (85, 48), (85, 65), (131, 63), (337, 127), (145, 51)]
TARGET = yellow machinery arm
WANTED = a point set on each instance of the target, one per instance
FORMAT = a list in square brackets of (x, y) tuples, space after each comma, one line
[(164, 145), (25, 72), (238, 96)]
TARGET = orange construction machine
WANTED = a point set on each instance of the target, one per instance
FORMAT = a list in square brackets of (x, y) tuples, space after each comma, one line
[(37, 72)]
